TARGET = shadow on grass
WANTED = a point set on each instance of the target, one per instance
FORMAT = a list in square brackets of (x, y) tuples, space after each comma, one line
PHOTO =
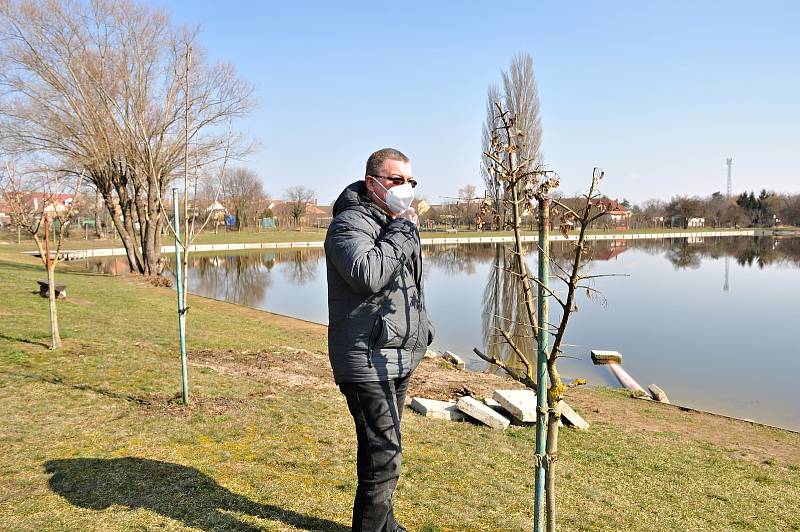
[(179, 492), (24, 340), (76, 386)]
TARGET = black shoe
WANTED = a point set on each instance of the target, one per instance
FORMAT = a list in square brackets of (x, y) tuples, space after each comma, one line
[(400, 528)]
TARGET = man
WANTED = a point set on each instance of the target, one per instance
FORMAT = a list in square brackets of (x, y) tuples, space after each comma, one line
[(378, 327)]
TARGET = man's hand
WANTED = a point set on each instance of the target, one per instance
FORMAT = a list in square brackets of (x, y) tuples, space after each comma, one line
[(409, 214)]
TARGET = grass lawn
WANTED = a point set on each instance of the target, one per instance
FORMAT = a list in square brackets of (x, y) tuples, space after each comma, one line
[(92, 438)]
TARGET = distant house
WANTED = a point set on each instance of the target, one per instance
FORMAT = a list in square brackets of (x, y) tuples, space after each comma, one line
[(696, 222), (5, 214), (57, 203), (314, 214), (38, 202), (616, 212), (325, 216)]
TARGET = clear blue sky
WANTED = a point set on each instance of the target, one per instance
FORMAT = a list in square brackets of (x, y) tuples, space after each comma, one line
[(656, 93)]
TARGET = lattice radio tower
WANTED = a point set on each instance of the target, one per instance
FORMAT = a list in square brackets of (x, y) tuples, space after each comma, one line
[(729, 162)]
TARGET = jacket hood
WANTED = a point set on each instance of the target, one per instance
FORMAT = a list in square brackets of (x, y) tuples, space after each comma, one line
[(355, 195)]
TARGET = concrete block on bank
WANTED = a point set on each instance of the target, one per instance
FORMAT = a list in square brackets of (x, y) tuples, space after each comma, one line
[(475, 409), (437, 409), (520, 403), (658, 394), (431, 354), (497, 407), (571, 417), (454, 359), (606, 357)]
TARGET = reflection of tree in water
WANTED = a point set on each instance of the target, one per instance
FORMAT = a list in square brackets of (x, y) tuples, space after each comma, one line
[(761, 251), (300, 267), (242, 279), (455, 259), (684, 256), (502, 297), (504, 307)]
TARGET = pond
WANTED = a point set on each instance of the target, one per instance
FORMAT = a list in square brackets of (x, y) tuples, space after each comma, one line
[(713, 322)]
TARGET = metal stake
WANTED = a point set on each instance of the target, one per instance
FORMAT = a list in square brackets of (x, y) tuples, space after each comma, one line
[(541, 361)]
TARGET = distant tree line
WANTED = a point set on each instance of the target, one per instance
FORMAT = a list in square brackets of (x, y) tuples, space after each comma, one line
[(765, 209)]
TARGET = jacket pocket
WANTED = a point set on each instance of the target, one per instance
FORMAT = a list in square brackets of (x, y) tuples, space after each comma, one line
[(377, 336), (394, 336)]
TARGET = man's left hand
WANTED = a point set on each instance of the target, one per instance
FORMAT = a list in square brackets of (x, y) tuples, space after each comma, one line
[(409, 214)]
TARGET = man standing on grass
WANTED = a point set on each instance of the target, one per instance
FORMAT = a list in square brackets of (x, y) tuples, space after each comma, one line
[(378, 327)]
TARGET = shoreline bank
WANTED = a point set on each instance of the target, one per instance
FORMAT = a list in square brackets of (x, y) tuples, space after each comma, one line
[(78, 254)]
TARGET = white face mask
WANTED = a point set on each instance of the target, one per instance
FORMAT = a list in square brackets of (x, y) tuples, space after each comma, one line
[(399, 197)]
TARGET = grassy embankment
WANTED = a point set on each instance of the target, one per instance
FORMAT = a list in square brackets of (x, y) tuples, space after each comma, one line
[(91, 440)]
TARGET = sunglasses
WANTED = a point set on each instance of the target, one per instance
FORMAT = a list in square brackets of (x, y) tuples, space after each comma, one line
[(397, 180)]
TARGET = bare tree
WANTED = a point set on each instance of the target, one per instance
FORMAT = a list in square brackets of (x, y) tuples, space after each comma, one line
[(43, 204), (298, 198), (494, 190), (100, 85), (468, 204), (243, 192), (523, 173), (521, 98)]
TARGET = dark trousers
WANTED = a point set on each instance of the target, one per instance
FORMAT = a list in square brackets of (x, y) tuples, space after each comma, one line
[(377, 408)]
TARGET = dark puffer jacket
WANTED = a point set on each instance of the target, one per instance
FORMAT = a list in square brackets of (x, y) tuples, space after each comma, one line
[(378, 326)]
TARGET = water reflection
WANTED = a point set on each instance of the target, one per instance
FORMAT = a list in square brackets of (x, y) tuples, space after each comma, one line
[(246, 278), (302, 267), (504, 309), (748, 251)]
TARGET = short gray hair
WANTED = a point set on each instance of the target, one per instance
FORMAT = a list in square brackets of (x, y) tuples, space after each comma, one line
[(376, 160)]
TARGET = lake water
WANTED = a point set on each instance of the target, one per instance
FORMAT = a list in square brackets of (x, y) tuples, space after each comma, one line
[(713, 322)]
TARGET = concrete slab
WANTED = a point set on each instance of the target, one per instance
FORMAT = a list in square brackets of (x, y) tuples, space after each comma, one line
[(571, 417), (454, 359), (497, 407), (475, 409), (520, 403), (605, 357), (658, 394), (437, 409)]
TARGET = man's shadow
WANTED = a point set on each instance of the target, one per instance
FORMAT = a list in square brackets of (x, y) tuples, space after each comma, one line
[(175, 491)]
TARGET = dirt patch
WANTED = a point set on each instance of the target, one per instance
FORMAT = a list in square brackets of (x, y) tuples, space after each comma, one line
[(436, 378), (159, 404), (282, 365)]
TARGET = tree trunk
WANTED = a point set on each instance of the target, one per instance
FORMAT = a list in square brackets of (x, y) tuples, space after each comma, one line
[(115, 211), (98, 209), (51, 296), (49, 265), (550, 468), (150, 250)]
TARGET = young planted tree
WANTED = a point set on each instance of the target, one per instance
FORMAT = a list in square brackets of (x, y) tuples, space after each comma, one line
[(43, 204), (527, 183)]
